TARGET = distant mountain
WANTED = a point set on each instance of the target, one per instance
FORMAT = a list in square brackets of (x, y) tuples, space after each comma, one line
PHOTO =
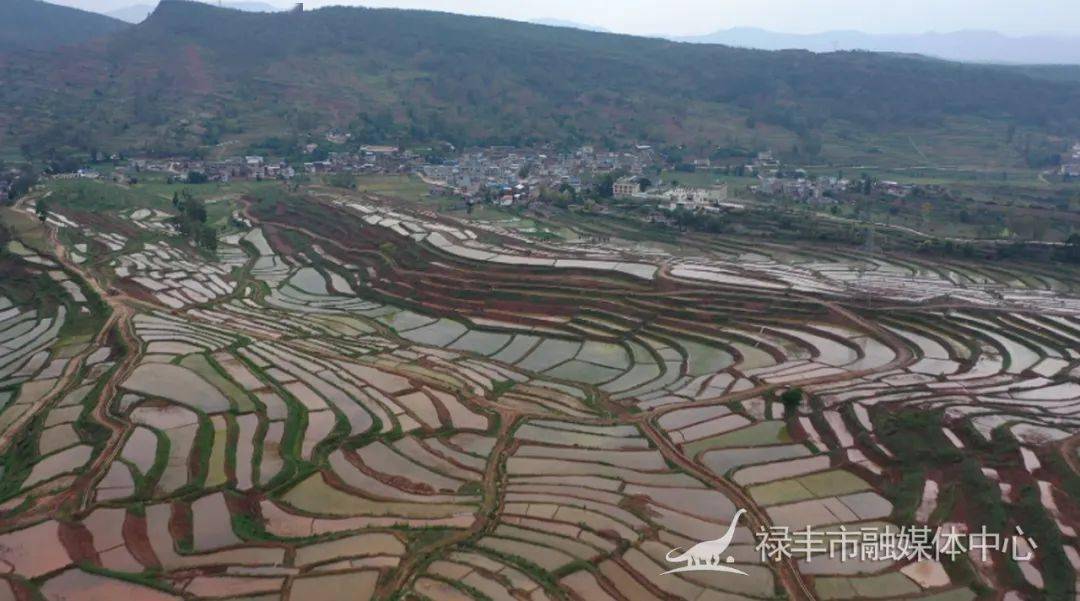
[(570, 24), (967, 46), (251, 7), (137, 13), (193, 75), (1066, 73), (34, 25)]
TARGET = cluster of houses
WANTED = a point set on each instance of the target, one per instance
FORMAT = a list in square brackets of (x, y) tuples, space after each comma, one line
[(233, 168), (504, 175), (507, 175), (764, 164), (510, 176), (803, 188), (824, 189), (79, 174), (369, 159), (1070, 167), (513, 172)]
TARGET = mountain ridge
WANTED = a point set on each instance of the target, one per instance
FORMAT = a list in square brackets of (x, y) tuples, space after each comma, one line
[(983, 46), (553, 22), (37, 25), (137, 13)]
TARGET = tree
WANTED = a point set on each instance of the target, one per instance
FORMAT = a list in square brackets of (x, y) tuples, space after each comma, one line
[(42, 210), (191, 221), (22, 184), (342, 180), (605, 187), (792, 398), (207, 238), (924, 213), (197, 177), (1071, 250)]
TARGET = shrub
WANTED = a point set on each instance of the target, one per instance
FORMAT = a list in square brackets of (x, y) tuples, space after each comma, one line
[(792, 398)]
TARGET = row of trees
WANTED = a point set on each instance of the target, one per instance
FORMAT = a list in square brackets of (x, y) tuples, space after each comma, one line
[(22, 184), (16, 181), (191, 220)]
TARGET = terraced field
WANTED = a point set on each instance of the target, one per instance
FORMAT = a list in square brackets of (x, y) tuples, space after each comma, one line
[(358, 398)]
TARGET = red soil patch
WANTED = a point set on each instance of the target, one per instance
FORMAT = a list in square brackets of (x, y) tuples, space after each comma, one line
[(78, 542), (137, 541), (194, 68)]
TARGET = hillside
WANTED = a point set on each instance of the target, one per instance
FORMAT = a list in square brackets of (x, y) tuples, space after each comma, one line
[(194, 75), (35, 25)]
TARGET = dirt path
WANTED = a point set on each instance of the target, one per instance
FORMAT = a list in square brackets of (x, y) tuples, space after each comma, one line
[(74, 364), (490, 507), (918, 150), (1069, 449), (81, 493), (64, 382), (797, 588), (119, 320)]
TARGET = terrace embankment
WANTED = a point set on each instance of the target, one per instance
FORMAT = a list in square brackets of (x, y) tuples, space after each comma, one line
[(356, 395)]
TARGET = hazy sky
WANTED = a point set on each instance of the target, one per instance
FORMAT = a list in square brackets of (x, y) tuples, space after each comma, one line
[(688, 17)]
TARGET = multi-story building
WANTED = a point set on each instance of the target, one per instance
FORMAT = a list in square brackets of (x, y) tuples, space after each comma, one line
[(626, 187)]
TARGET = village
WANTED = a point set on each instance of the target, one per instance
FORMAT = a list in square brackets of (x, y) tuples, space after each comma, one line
[(655, 185), (500, 175)]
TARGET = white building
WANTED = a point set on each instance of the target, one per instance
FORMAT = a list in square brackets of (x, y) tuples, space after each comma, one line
[(705, 196)]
